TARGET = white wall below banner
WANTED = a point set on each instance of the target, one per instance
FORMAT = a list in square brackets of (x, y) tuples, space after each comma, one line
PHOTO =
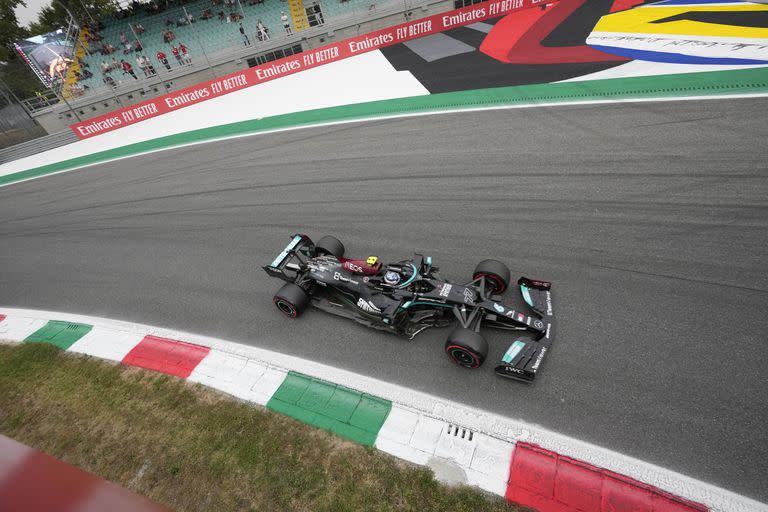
[(366, 77)]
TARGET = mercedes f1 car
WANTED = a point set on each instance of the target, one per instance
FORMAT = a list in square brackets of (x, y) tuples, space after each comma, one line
[(409, 296)]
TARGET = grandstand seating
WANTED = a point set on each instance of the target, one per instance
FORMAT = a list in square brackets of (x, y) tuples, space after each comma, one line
[(212, 35)]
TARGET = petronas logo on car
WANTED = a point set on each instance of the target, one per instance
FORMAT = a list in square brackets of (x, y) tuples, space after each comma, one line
[(368, 306)]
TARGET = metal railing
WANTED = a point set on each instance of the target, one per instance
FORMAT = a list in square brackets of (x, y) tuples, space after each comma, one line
[(38, 145)]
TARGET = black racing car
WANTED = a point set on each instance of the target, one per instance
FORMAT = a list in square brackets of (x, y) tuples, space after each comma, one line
[(409, 296)]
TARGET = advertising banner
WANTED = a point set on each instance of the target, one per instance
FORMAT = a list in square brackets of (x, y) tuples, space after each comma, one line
[(299, 62)]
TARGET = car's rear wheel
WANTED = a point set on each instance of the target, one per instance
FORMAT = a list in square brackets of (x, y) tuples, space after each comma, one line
[(329, 245), (466, 348), (291, 300), (496, 275)]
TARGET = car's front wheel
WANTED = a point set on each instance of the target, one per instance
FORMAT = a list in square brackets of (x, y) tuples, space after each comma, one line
[(291, 300), (496, 275), (466, 348)]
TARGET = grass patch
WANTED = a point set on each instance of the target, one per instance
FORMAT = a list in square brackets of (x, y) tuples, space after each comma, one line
[(191, 448)]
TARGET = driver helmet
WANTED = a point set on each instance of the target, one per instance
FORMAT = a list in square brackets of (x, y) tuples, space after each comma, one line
[(391, 278)]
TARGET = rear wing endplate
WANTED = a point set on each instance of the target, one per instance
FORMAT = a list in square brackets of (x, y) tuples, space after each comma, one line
[(278, 266)]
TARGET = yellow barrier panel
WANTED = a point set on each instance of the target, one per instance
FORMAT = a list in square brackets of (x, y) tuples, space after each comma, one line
[(299, 15), (641, 21)]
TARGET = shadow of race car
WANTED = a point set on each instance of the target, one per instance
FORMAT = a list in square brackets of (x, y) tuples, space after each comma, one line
[(409, 296)]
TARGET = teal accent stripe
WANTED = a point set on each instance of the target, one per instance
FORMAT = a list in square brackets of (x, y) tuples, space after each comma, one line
[(285, 252), (413, 276), (743, 81), (417, 303), (512, 351), (526, 295)]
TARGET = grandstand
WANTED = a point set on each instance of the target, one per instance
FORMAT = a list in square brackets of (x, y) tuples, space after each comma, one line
[(213, 28), (215, 45)]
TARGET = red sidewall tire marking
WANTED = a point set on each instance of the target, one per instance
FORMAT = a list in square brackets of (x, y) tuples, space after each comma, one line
[(500, 288), (464, 350)]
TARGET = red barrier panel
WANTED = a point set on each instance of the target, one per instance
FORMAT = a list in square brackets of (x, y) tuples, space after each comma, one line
[(550, 482), (519, 39), (32, 481), (2, 317), (293, 64), (168, 356)]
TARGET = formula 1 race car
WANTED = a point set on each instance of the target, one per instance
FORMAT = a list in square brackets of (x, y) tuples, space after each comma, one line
[(408, 296)]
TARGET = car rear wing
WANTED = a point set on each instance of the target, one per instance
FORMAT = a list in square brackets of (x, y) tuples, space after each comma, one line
[(286, 265), (523, 358)]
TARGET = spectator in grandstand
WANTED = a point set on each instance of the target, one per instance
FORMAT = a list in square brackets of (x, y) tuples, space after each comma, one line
[(315, 10), (105, 67), (127, 48), (92, 36), (206, 15), (161, 57), (222, 16), (182, 21), (168, 22), (108, 49), (168, 36), (184, 53), (262, 32), (115, 64), (137, 46), (286, 23), (77, 89), (143, 63), (127, 68), (175, 52), (123, 38), (108, 80), (246, 41), (139, 28)]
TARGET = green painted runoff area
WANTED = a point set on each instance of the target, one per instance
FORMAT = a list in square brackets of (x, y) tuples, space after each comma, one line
[(743, 81), (59, 334), (348, 413)]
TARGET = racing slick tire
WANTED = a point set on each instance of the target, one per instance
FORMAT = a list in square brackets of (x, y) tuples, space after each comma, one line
[(496, 273), (291, 300), (329, 245), (466, 348)]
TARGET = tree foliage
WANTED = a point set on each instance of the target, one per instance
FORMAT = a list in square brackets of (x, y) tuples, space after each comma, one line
[(13, 71), (10, 30), (56, 15)]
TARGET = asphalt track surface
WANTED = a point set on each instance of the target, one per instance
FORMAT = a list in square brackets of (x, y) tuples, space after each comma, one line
[(651, 219)]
